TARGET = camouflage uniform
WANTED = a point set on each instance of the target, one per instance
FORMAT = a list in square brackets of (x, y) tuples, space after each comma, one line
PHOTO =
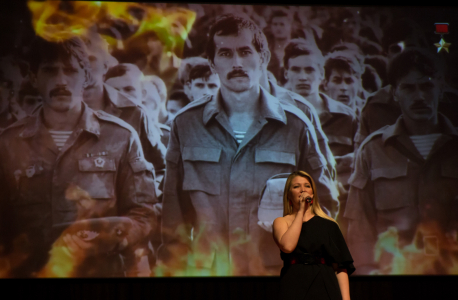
[(103, 157)]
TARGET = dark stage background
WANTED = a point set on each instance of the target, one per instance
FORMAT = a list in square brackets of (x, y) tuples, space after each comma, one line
[(237, 288)]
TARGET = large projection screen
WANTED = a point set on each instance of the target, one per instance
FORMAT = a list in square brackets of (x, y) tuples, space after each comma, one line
[(161, 184)]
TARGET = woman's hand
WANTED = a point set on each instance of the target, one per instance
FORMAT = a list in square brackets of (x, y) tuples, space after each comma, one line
[(303, 204)]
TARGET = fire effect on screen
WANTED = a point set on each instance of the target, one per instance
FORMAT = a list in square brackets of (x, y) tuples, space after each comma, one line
[(431, 252), (119, 21)]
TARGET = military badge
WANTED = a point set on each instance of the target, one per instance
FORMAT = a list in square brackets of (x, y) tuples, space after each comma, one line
[(30, 171), (99, 162)]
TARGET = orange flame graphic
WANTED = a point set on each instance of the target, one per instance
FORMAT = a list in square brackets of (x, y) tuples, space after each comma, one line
[(210, 258), (55, 20), (94, 234), (432, 251)]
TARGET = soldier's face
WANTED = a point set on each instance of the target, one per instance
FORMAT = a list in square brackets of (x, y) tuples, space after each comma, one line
[(61, 84), (303, 75), (342, 86), (151, 100), (237, 62), (30, 102), (200, 87), (281, 27), (174, 106), (99, 67), (10, 82), (129, 84), (418, 96), (351, 26)]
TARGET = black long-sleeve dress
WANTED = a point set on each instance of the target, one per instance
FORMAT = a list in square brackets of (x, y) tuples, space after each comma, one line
[(307, 272)]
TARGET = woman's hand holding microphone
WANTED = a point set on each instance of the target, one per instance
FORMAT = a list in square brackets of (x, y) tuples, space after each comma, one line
[(305, 200)]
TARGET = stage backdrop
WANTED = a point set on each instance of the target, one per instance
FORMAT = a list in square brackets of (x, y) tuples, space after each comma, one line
[(214, 202)]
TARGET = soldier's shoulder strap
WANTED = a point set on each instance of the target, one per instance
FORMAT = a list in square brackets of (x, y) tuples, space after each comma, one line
[(194, 104), (100, 114), (373, 135), (297, 112), (18, 123)]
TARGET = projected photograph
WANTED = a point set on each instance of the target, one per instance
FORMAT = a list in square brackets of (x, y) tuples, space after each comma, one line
[(155, 139)]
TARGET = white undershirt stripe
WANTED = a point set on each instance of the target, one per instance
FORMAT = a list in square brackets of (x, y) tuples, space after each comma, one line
[(239, 136), (424, 143), (60, 137)]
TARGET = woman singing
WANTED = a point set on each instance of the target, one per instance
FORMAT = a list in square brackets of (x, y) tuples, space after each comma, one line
[(316, 258)]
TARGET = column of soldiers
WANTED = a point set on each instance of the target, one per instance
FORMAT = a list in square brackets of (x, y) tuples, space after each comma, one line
[(127, 178)]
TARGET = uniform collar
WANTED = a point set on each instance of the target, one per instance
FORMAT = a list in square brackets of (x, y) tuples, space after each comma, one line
[(331, 104), (446, 127), (270, 107), (273, 88), (87, 122), (116, 98)]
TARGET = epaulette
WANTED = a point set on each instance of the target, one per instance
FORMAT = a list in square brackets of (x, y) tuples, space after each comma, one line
[(298, 98), (18, 123), (372, 135), (378, 96), (195, 103), (338, 107), (300, 114), (164, 127), (112, 119)]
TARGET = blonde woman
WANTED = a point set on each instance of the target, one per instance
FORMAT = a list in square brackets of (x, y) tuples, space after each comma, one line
[(316, 258)]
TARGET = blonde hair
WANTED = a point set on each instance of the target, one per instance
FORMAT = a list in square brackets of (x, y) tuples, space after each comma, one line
[(316, 208)]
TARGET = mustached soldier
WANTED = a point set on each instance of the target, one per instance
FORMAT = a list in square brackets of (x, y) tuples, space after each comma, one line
[(68, 163), (406, 175), (221, 152)]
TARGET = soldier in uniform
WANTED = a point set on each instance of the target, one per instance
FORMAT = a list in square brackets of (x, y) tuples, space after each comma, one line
[(100, 96), (290, 97), (279, 32), (406, 174), (221, 152), (271, 259), (380, 109), (206, 80), (201, 82), (29, 98), (342, 78), (68, 163), (342, 81), (12, 73), (305, 71)]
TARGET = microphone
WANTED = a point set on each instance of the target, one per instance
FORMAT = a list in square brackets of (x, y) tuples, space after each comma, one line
[(308, 199)]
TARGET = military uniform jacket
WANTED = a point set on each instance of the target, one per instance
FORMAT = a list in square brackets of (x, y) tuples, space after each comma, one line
[(214, 184), (339, 123), (136, 116), (102, 158), (307, 108), (379, 110), (393, 185)]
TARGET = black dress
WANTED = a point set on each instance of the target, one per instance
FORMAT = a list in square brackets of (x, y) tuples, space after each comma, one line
[(311, 276)]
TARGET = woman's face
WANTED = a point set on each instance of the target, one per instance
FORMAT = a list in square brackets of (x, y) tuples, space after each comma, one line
[(299, 185)]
